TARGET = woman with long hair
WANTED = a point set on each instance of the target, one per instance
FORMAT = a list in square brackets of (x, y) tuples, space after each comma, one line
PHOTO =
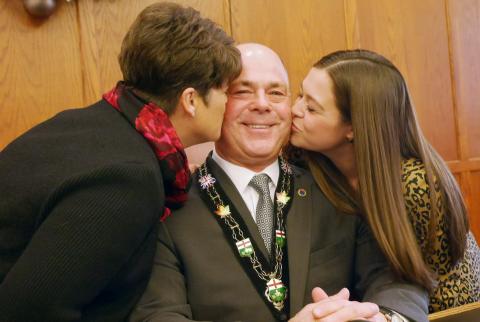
[(366, 151)]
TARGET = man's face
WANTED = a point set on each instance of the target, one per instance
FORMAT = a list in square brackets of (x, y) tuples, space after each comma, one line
[(257, 118)]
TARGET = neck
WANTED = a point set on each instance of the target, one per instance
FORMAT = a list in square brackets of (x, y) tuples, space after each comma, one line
[(183, 130), (255, 165), (344, 160)]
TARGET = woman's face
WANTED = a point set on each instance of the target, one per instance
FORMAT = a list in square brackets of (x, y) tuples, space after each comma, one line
[(209, 114), (317, 124)]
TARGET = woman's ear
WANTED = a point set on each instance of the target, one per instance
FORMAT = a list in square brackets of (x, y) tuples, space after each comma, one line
[(350, 134), (187, 101)]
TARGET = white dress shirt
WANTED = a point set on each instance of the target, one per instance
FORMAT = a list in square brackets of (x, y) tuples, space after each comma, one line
[(241, 177)]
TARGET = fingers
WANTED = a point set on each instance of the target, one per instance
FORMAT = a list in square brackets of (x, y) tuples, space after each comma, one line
[(327, 308), (337, 308), (343, 310), (379, 317), (318, 294), (343, 294), (305, 314)]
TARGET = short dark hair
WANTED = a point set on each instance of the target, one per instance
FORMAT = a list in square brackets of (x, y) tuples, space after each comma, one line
[(169, 48)]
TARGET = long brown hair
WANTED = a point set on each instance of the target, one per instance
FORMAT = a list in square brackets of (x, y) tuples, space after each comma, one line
[(372, 95)]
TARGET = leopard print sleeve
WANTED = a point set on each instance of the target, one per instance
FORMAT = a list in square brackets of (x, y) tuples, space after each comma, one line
[(458, 283), (417, 201)]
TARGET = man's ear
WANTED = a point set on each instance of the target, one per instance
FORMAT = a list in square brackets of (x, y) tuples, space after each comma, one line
[(188, 101)]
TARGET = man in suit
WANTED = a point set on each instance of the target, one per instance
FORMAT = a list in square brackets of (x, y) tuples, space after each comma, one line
[(257, 237)]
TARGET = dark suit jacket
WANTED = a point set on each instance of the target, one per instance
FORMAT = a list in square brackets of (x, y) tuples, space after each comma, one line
[(197, 277)]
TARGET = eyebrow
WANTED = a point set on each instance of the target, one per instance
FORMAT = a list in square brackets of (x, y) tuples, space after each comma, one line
[(309, 97)]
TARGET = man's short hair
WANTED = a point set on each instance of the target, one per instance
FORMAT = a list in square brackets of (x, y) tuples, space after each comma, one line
[(169, 48)]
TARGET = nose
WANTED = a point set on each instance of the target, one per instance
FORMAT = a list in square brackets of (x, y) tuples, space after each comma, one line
[(261, 101), (297, 108)]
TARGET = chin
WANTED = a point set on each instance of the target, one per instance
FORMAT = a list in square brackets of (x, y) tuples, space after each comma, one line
[(215, 137), (295, 141)]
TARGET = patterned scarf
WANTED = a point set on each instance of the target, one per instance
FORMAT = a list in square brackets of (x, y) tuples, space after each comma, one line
[(154, 125)]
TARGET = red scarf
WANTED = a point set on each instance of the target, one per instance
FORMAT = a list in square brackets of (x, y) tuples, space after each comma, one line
[(154, 125)]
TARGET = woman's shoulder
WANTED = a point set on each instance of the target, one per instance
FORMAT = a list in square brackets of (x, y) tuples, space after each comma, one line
[(416, 195), (412, 169), (414, 181)]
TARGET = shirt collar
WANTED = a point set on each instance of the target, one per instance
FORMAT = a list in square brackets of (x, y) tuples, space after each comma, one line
[(241, 176)]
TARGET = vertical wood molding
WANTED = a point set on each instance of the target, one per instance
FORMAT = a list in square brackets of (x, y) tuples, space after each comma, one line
[(227, 13), (352, 32), (465, 179), (463, 23), (460, 136)]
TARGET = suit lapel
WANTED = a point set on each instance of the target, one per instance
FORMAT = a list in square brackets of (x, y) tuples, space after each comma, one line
[(298, 242), (239, 204)]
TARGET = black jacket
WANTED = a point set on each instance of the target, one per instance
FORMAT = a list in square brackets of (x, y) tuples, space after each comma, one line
[(80, 198)]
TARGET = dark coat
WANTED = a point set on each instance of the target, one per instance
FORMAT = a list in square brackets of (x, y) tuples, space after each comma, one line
[(80, 199)]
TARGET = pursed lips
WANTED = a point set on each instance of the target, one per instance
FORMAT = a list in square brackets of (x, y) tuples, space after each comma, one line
[(295, 128)]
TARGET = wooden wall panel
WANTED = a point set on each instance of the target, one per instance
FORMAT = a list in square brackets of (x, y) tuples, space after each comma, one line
[(464, 24), (413, 34), (300, 32), (40, 72), (474, 205)]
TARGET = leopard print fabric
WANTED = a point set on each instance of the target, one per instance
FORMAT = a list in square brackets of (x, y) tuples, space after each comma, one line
[(457, 284)]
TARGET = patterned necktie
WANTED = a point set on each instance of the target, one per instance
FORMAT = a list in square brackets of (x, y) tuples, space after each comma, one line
[(264, 213)]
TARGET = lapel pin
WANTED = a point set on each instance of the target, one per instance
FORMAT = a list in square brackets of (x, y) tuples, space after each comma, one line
[(302, 192)]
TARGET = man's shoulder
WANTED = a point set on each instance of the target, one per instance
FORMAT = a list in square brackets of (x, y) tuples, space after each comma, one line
[(193, 208), (301, 173)]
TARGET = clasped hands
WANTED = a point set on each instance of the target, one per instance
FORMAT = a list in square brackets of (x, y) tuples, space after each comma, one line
[(337, 308)]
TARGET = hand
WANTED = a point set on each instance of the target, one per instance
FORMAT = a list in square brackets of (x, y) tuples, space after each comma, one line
[(337, 308), (318, 294)]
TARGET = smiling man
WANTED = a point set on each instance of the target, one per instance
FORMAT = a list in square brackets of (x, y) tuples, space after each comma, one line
[(257, 121), (257, 236)]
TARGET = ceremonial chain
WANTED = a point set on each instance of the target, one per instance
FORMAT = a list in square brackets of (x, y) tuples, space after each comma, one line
[(276, 291)]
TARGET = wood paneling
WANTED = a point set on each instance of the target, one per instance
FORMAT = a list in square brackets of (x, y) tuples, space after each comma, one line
[(413, 34), (40, 73), (464, 22), (301, 32), (474, 205)]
